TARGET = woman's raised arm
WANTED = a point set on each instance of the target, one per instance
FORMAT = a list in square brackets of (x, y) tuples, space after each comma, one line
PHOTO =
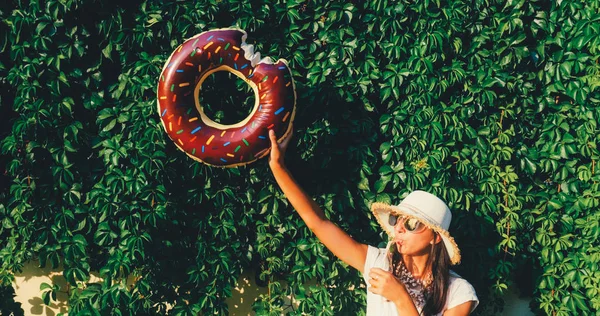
[(334, 238)]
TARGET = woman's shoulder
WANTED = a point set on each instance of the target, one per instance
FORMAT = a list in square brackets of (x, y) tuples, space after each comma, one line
[(456, 283), (460, 291), (455, 277)]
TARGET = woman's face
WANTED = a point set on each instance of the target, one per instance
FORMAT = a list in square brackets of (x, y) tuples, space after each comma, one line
[(418, 242)]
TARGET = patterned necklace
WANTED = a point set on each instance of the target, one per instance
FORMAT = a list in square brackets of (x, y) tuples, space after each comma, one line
[(419, 290)]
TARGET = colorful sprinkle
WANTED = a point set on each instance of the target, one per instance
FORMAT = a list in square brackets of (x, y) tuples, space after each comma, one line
[(237, 148), (287, 84), (196, 129), (187, 93), (179, 121), (226, 46), (286, 116), (194, 151), (164, 112), (223, 160), (172, 87), (170, 126), (193, 119), (196, 41), (270, 126), (208, 55), (243, 130), (179, 48), (262, 137), (245, 142), (185, 84), (187, 63), (179, 131), (227, 143), (174, 97), (281, 67), (230, 155), (179, 70), (244, 66), (193, 53), (220, 39), (250, 76), (275, 80), (188, 111), (193, 139), (210, 139), (163, 98), (162, 77), (202, 148), (218, 49), (232, 133), (263, 96), (235, 66), (169, 65), (210, 37), (265, 78), (236, 56), (199, 68), (170, 116), (180, 142), (223, 133), (235, 47), (279, 111)]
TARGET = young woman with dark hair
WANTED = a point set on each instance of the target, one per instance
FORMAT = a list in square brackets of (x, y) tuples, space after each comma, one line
[(411, 276)]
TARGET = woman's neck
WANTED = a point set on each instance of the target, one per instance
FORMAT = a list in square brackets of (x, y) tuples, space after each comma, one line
[(416, 265)]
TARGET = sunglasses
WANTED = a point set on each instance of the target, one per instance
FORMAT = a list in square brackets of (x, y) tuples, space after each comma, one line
[(410, 224)]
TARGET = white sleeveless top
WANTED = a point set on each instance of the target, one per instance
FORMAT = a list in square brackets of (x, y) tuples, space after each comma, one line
[(459, 289)]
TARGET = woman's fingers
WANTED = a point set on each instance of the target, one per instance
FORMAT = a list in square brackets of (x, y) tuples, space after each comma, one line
[(283, 145), (374, 285), (278, 149), (273, 139), (377, 272), (376, 275)]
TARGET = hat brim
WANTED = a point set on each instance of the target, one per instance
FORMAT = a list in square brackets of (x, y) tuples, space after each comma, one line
[(382, 212)]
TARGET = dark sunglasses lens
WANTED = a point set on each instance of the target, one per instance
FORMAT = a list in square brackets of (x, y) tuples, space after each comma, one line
[(393, 219), (412, 224)]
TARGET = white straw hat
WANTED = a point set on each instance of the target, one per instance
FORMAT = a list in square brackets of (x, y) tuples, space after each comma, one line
[(428, 209)]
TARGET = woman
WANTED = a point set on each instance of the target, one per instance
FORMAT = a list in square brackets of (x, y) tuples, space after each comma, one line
[(411, 276)]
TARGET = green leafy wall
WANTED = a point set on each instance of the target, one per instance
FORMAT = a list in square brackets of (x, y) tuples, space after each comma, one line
[(493, 105)]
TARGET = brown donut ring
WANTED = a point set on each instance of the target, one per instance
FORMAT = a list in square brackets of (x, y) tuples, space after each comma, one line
[(200, 137)]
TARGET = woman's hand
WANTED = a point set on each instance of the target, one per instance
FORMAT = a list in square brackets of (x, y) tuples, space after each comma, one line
[(385, 284), (278, 150)]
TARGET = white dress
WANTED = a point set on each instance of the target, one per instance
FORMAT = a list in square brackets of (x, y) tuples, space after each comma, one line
[(459, 289)]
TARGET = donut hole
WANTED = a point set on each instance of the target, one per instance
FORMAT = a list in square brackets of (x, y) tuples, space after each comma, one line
[(225, 98)]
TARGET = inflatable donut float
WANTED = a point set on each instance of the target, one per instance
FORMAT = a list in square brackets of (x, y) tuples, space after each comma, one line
[(182, 115)]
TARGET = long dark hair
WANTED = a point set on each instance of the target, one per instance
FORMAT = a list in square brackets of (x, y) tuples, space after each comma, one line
[(439, 262)]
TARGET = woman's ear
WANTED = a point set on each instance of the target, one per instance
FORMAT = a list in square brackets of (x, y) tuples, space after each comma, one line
[(437, 239)]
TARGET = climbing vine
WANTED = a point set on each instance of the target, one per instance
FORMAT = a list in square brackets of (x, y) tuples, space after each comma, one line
[(492, 105)]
